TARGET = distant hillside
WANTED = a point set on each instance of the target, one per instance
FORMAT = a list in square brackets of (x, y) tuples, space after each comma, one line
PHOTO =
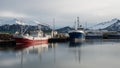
[(113, 25), (64, 29), (15, 27), (12, 25)]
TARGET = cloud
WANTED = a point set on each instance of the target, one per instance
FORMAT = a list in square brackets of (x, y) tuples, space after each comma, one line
[(63, 10), (11, 14)]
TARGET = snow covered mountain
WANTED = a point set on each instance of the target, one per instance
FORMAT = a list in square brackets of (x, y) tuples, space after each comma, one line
[(113, 25), (26, 21), (13, 25)]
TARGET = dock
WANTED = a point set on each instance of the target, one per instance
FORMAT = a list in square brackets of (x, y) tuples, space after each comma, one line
[(104, 37), (6, 39), (58, 40), (7, 43)]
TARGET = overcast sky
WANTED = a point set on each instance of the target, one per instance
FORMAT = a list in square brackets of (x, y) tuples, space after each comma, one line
[(64, 11)]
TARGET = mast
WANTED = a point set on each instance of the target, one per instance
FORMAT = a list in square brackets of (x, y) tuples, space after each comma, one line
[(21, 23), (75, 26), (53, 27), (78, 23), (86, 25), (39, 27), (53, 24)]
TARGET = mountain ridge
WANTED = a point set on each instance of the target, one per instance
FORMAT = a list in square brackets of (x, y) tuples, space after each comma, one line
[(112, 25), (15, 27)]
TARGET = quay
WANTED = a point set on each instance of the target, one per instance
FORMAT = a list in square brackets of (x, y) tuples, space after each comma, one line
[(6, 39), (58, 40), (7, 43)]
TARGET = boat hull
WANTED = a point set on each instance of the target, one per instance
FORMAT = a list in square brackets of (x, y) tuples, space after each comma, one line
[(76, 36), (24, 40)]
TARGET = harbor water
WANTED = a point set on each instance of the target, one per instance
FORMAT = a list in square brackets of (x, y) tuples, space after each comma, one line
[(87, 54)]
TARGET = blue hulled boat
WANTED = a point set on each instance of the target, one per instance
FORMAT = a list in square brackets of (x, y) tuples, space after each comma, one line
[(78, 34)]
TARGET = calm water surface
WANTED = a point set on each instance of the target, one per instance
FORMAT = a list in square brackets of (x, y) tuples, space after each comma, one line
[(87, 54)]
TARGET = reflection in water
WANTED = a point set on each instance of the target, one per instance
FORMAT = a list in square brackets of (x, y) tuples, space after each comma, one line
[(53, 45), (75, 44), (22, 58), (77, 50), (10, 54), (33, 49), (87, 54)]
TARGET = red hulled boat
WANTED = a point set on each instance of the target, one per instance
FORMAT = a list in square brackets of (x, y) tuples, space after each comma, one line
[(30, 37), (33, 37)]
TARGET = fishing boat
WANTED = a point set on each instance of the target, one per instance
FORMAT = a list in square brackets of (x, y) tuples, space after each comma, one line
[(78, 34), (32, 37), (36, 38)]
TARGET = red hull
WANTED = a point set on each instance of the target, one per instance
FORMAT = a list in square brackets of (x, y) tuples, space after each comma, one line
[(22, 40)]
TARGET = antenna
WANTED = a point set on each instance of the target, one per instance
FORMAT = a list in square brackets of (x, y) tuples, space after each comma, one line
[(53, 27), (86, 25), (75, 26), (38, 24), (78, 22), (53, 23)]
